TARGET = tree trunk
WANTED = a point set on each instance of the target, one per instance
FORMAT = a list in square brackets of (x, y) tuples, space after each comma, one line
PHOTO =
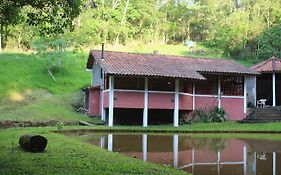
[(33, 143), (19, 41), (1, 30), (122, 21), (0, 42)]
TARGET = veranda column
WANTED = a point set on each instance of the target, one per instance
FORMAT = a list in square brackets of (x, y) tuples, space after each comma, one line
[(176, 109), (193, 96), (219, 92), (255, 90), (245, 95), (111, 100), (273, 89), (102, 98), (145, 107)]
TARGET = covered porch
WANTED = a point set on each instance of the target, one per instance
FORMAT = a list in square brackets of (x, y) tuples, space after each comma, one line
[(150, 100), (268, 83)]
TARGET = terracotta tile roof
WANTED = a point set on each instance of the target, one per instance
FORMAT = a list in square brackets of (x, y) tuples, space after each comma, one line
[(272, 64), (121, 63)]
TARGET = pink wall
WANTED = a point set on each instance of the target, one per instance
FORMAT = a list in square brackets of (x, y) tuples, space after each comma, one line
[(94, 101), (106, 99), (129, 99), (234, 107), (185, 102), (206, 102), (160, 101)]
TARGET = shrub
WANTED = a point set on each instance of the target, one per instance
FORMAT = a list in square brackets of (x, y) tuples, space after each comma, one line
[(208, 115)]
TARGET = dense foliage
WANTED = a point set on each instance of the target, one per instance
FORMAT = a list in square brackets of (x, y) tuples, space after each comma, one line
[(204, 115), (241, 28)]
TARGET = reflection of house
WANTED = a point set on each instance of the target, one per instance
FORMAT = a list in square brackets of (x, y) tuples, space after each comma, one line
[(238, 157), (145, 88)]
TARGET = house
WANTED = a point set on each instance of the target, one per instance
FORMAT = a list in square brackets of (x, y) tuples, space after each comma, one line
[(145, 89), (268, 84)]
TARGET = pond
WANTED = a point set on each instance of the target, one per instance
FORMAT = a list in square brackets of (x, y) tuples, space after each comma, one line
[(197, 154)]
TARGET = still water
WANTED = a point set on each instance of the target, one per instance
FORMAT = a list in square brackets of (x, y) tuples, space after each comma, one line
[(199, 155)]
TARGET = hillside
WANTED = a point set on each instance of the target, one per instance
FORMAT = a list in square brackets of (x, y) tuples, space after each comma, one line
[(28, 93)]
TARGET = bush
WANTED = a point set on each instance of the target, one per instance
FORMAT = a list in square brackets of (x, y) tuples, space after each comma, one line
[(208, 115)]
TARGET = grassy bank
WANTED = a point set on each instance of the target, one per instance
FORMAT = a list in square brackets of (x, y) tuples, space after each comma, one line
[(65, 155), (226, 127), (28, 93)]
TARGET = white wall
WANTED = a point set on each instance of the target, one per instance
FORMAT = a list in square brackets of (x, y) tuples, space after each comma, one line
[(96, 75), (251, 89)]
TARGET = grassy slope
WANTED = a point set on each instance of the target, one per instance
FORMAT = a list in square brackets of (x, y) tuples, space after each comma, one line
[(27, 92), (65, 155)]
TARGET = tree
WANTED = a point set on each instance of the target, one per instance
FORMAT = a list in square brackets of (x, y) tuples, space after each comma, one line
[(51, 16), (269, 43)]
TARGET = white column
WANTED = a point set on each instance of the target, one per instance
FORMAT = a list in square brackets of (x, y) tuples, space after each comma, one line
[(176, 149), (245, 95), (102, 139), (273, 89), (110, 142), (219, 92), (144, 147), (245, 159), (193, 96), (274, 163), (145, 107), (111, 100), (102, 99), (176, 109), (255, 90), (102, 108)]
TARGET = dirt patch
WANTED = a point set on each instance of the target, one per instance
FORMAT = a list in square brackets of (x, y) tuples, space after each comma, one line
[(16, 124)]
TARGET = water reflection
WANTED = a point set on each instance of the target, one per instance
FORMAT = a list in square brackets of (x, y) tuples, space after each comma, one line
[(199, 156)]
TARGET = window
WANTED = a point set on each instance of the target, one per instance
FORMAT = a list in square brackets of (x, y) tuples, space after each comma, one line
[(232, 85), (161, 84), (131, 83), (209, 87), (186, 86)]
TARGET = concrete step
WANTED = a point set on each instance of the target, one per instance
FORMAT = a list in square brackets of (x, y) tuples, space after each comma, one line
[(264, 116), (258, 121)]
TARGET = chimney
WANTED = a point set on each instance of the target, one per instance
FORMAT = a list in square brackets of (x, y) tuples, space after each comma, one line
[(102, 50)]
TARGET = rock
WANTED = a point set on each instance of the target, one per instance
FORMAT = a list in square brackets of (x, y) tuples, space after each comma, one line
[(33, 143)]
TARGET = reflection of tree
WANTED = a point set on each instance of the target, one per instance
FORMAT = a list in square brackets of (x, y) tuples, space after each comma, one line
[(213, 144)]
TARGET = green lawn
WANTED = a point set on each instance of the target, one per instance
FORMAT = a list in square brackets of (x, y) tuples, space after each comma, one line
[(65, 155)]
